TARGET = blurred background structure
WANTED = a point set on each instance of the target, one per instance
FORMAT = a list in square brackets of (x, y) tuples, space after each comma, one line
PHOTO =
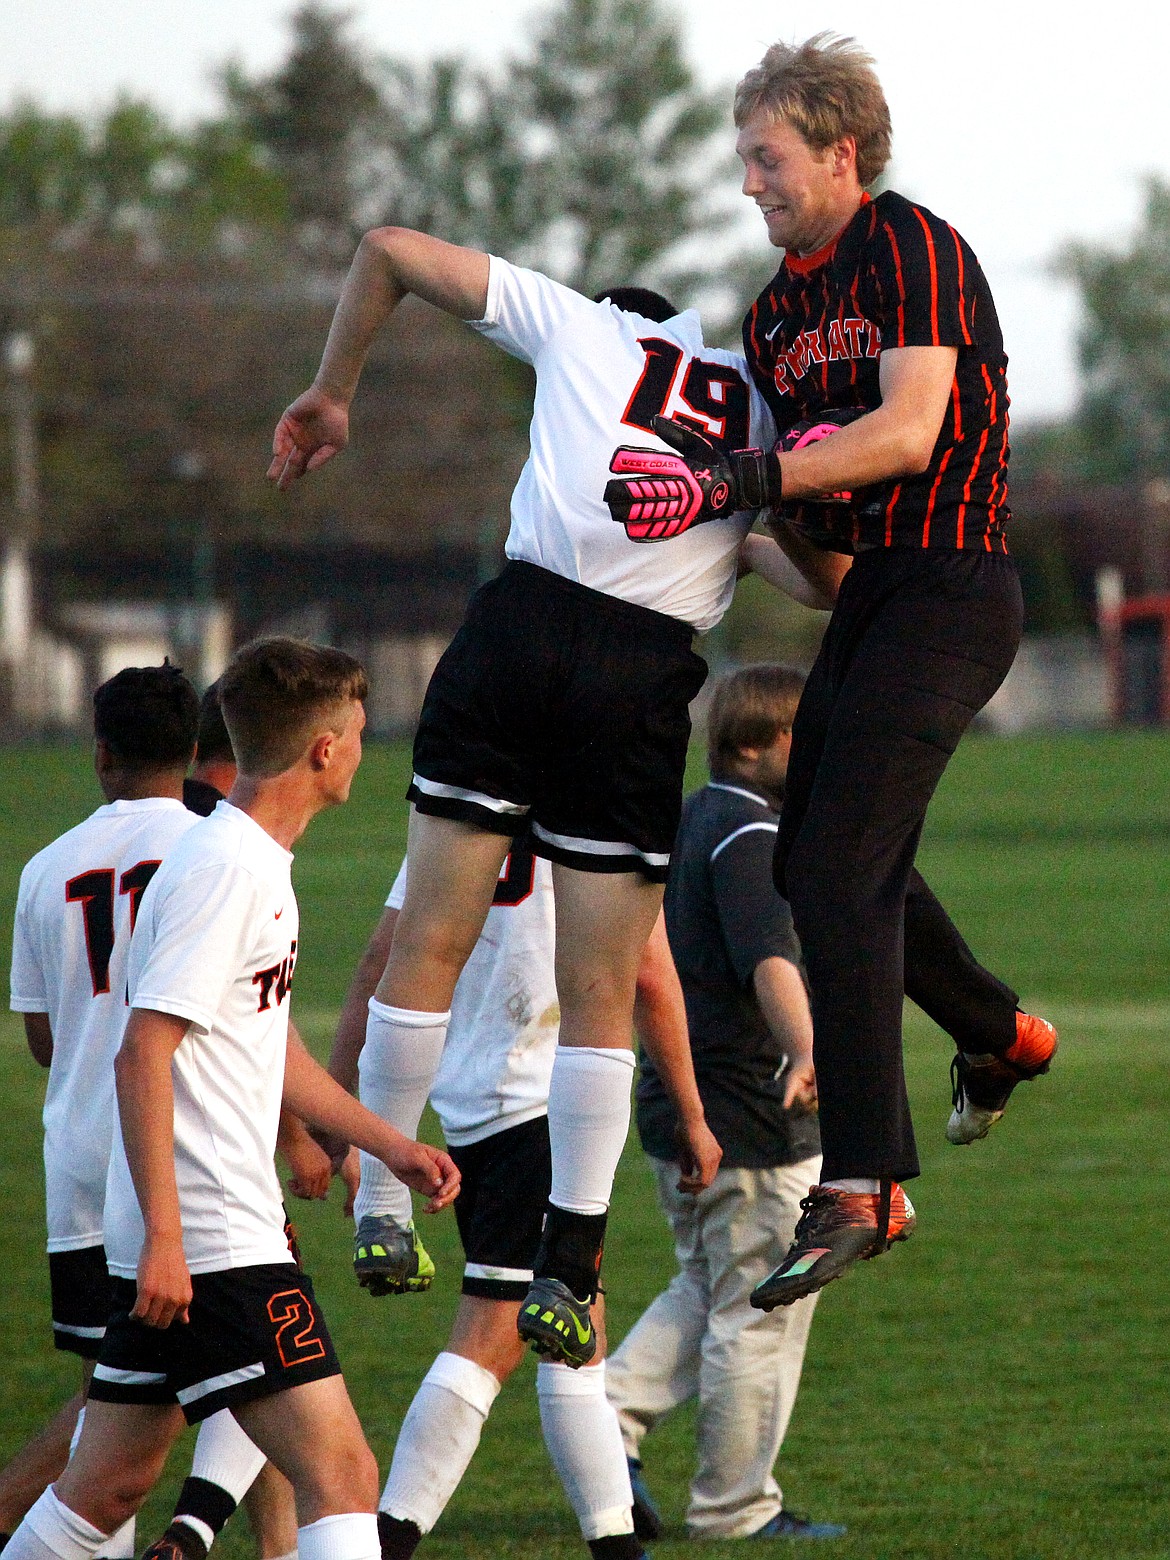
[(167, 286)]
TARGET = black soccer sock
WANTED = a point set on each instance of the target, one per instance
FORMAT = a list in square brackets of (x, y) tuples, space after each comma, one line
[(399, 1538), (618, 1546), (201, 1509), (570, 1249)]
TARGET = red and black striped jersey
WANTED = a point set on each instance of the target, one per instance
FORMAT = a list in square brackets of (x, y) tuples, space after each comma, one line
[(895, 276)]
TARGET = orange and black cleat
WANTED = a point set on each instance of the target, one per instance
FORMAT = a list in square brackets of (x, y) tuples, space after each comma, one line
[(836, 1229), (982, 1085)]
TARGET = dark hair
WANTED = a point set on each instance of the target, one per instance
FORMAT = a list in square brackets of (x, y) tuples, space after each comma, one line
[(278, 694), (749, 710), (638, 300), (147, 716), (215, 740)]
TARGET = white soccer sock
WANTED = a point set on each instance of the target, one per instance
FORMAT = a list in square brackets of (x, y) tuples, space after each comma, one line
[(119, 1545), (854, 1183), (395, 1072), (353, 1536), (438, 1439), (588, 1119), (584, 1440), (225, 1455), (50, 1531)]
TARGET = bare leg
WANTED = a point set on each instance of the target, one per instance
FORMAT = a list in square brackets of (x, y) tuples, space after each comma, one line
[(311, 1433), (604, 920), (454, 869), (39, 1461), (272, 1513)]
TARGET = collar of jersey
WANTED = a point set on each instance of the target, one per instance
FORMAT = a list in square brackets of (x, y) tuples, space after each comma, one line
[(803, 264), (740, 790)]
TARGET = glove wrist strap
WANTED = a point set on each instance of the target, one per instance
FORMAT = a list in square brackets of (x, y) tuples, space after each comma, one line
[(757, 478)]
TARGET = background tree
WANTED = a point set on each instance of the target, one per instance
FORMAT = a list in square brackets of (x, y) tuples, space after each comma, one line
[(316, 118), (1122, 425)]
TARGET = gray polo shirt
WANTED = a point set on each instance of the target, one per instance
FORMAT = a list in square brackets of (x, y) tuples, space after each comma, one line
[(723, 915)]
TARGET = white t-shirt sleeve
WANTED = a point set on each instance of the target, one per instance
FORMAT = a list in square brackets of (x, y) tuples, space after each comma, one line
[(526, 309), (191, 940), (396, 898), (27, 985)]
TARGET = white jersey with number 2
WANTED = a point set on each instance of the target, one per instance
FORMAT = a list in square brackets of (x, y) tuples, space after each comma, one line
[(215, 945), (601, 375)]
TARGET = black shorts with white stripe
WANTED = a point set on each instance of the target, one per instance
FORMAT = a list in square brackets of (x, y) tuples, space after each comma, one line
[(80, 1285), (559, 707), (252, 1331), (503, 1195)]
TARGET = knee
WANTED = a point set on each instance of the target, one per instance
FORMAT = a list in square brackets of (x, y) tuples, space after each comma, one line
[(117, 1499), (343, 1480)]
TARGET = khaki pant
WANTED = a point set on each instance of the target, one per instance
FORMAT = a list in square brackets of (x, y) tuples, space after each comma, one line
[(700, 1338)]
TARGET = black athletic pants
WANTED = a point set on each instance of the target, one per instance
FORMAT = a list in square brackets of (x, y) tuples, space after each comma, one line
[(917, 644)]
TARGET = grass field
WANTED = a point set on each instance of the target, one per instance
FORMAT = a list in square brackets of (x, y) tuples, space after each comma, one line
[(998, 1387)]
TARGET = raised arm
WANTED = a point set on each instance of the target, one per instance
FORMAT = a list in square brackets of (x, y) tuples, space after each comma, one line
[(389, 264), (660, 1017), (146, 1106)]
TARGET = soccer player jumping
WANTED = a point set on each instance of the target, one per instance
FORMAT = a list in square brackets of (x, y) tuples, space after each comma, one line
[(881, 311), (561, 705)]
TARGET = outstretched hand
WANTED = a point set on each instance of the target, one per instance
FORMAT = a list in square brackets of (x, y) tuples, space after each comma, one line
[(312, 430)]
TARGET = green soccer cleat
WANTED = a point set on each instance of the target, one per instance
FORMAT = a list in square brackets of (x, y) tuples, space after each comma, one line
[(557, 1324), (389, 1259)]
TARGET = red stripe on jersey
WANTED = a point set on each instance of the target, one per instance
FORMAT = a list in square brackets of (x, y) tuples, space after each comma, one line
[(933, 264), (942, 466), (958, 406), (901, 285), (889, 542), (968, 339), (962, 515)]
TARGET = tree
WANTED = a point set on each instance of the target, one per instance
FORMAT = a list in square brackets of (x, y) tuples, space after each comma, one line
[(612, 139), (1123, 421), (317, 118)]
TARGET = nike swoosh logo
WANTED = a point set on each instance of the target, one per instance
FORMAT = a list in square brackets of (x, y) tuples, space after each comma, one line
[(279, 913), (768, 334)]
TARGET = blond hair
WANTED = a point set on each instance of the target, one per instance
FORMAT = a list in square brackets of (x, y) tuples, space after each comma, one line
[(278, 695), (826, 88)]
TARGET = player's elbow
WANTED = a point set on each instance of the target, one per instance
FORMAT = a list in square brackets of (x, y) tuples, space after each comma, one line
[(916, 449)]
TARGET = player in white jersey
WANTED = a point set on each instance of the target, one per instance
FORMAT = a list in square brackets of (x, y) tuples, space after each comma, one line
[(76, 908), (209, 1309), (562, 704), (491, 1096)]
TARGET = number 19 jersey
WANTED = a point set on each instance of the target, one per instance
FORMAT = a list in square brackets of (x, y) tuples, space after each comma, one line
[(75, 910), (601, 375)]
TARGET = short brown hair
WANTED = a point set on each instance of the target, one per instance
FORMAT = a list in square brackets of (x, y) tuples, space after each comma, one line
[(277, 693), (825, 88), (750, 708)]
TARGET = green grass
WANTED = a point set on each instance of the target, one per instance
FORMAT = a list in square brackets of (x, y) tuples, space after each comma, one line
[(995, 1388)]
